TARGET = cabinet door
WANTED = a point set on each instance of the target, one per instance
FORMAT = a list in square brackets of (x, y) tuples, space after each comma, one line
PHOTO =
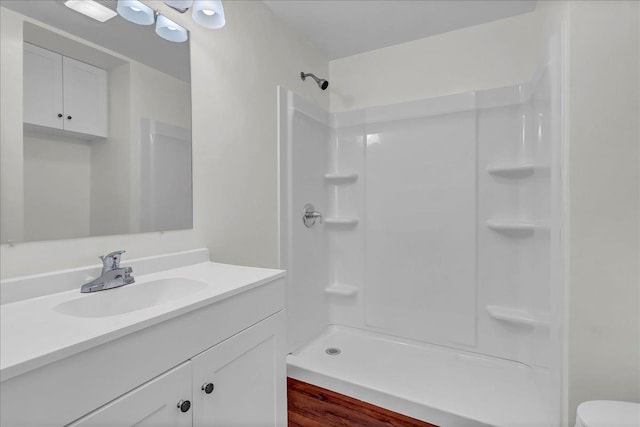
[(85, 98), (42, 87), (248, 372), (154, 404)]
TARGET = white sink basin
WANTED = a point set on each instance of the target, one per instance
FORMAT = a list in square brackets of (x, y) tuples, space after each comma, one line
[(130, 298)]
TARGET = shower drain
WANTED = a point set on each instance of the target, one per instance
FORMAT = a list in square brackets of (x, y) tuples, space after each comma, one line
[(333, 351)]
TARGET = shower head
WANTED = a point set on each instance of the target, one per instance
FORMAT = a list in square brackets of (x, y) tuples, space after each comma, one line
[(322, 83)]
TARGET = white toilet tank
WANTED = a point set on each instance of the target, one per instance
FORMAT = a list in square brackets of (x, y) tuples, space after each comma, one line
[(608, 413)]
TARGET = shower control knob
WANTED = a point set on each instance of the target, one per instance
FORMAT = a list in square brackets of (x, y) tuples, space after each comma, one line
[(310, 216), (208, 388), (69, 117), (184, 405), (59, 115)]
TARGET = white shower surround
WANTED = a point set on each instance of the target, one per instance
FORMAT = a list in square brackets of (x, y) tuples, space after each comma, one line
[(472, 242)]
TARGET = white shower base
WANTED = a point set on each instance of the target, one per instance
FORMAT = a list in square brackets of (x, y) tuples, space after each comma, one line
[(443, 386)]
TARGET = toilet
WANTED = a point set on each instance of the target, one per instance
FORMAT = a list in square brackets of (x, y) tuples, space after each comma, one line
[(608, 413)]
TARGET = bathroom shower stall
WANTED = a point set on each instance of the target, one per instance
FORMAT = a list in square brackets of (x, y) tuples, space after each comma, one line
[(431, 282)]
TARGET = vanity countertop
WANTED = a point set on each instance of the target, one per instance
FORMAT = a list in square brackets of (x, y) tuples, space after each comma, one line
[(33, 333)]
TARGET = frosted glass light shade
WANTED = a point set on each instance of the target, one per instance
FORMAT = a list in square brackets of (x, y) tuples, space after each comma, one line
[(136, 12), (209, 13), (169, 30)]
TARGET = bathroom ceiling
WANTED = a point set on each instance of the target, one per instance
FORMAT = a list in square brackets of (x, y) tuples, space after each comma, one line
[(341, 28)]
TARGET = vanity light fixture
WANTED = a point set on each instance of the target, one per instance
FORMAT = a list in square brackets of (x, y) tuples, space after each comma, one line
[(139, 13), (92, 9), (208, 13)]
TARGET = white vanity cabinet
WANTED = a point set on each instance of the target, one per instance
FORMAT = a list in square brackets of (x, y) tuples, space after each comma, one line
[(64, 94), (236, 382), (134, 368)]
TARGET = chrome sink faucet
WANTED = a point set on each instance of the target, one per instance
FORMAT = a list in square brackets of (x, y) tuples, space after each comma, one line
[(112, 276)]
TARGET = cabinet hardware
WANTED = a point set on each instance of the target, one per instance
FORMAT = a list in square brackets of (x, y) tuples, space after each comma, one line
[(207, 388), (184, 405)]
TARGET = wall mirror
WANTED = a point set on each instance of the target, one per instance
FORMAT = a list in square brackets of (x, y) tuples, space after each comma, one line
[(106, 126)]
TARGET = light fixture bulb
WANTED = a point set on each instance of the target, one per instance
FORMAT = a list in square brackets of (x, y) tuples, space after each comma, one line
[(208, 13), (136, 12)]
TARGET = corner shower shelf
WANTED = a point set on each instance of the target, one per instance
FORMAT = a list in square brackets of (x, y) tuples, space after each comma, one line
[(340, 178), (341, 290), (520, 170), (517, 316), (344, 221), (511, 226)]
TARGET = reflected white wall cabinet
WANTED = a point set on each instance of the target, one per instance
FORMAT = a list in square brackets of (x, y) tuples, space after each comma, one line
[(63, 93), (236, 382)]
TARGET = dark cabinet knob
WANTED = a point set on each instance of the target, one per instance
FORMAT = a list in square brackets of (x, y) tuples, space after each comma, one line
[(69, 117), (207, 388), (59, 115), (184, 405)]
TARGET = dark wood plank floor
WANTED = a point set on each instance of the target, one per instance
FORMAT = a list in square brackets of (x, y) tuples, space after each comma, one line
[(311, 406)]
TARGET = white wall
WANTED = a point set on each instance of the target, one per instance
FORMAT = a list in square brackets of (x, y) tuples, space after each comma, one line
[(57, 184), (499, 53), (170, 105), (110, 206), (235, 72), (604, 214), (11, 165)]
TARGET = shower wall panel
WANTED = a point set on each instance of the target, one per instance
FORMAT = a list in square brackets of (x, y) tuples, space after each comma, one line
[(421, 228), (304, 137)]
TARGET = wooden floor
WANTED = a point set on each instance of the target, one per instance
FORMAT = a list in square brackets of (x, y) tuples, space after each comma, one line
[(311, 406)]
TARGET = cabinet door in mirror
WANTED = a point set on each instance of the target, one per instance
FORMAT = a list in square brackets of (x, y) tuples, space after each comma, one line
[(105, 144)]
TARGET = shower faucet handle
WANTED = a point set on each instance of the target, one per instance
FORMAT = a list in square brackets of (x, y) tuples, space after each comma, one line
[(310, 216)]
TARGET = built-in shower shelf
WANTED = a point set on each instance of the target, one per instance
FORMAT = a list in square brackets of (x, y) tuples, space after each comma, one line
[(518, 170), (341, 290), (518, 316), (344, 221), (340, 178), (512, 226)]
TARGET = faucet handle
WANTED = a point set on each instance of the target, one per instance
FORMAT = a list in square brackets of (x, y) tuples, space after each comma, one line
[(111, 261)]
